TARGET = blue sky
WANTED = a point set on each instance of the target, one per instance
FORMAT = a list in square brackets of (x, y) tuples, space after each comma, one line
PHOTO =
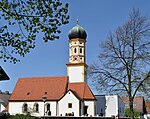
[(97, 17)]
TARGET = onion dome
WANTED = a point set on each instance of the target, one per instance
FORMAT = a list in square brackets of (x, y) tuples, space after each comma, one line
[(77, 32)]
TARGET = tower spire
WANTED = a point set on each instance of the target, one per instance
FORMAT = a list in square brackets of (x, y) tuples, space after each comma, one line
[(77, 67), (77, 22)]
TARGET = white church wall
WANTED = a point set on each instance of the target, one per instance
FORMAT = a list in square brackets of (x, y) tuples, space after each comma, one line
[(75, 73), (17, 108), (91, 107), (69, 99), (53, 107)]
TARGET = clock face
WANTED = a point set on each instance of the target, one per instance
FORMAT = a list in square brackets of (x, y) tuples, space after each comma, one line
[(75, 58)]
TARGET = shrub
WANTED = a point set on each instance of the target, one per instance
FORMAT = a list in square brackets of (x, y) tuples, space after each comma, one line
[(128, 114)]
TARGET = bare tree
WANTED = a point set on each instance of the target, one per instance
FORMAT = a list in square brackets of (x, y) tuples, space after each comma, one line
[(124, 59)]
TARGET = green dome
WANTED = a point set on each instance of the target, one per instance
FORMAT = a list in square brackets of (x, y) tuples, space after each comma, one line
[(77, 32)]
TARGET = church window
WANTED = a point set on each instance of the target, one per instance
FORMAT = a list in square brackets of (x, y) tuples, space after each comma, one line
[(80, 50), (69, 105), (75, 50), (47, 107), (36, 107), (25, 108)]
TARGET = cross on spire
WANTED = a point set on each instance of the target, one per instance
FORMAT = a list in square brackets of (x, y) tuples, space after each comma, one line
[(77, 21)]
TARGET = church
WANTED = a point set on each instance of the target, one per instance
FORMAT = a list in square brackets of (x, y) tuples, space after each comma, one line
[(58, 95)]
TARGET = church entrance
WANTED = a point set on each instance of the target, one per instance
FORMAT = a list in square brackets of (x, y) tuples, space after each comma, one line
[(85, 110)]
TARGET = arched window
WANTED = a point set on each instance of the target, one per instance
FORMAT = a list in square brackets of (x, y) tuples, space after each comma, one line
[(47, 107), (80, 50), (48, 111), (25, 108), (75, 50), (36, 107)]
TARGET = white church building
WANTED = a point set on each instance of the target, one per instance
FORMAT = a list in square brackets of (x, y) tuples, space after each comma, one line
[(58, 95)]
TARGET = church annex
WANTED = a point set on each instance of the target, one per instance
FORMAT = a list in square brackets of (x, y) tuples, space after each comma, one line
[(59, 95)]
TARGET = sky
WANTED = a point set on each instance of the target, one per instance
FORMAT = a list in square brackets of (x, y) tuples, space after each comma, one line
[(97, 17)]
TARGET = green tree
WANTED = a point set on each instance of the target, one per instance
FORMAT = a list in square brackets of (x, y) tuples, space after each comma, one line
[(125, 59), (22, 20)]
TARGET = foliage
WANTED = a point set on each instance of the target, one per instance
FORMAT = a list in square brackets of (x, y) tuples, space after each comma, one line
[(128, 113), (22, 20), (22, 116), (125, 59)]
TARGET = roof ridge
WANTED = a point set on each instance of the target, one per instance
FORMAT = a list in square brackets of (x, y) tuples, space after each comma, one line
[(41, 77)]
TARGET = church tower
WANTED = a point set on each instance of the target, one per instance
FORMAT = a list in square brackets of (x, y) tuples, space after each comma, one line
[(77, 67)]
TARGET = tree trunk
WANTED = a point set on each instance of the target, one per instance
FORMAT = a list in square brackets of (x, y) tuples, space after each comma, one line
[(131, 107)]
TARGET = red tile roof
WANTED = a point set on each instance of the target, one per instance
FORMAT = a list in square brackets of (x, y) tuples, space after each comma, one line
[(54, 88), (82, 90), (34, 88)]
